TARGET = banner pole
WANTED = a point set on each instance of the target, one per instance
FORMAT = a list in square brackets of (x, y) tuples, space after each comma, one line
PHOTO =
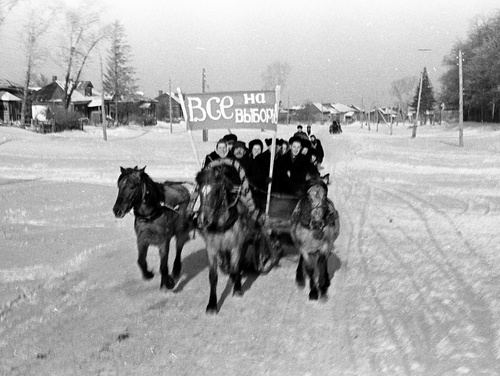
[(273, 151), (186, 117)]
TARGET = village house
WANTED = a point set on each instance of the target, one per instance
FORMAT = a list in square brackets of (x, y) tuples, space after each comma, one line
[(163, 106), (11, 95)]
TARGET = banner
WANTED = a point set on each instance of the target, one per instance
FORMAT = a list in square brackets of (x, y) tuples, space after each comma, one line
[(242, 109)]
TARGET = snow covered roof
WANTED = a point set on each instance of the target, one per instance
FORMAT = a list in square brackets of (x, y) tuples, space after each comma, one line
[(5, 96), (341, 108), (321, 107)]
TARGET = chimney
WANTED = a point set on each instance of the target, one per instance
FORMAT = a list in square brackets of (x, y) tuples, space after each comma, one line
[(160, 93), (54, 78)]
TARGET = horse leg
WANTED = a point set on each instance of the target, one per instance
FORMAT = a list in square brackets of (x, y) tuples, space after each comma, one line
[(299, 274), (309, 266), (212, 277), (235, 271), (142, 249), (166, 280), (180, 239), (324, 278)]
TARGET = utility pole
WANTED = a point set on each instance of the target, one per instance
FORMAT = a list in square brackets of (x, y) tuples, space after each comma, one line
[(288, 111), (460, 101), (414, 131), (362, 112), (103, 107), (203, 84), (170, 102)]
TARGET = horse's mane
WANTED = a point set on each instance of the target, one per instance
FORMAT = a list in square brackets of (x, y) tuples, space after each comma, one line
[(225, 174), (315, 181), (154, 189)]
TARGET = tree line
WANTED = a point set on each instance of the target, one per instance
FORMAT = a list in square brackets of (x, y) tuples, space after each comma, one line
[(481, 71), (481, 77), (77, 30)]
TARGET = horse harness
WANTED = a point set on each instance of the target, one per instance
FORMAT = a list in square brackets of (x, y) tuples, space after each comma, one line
[(242, 191), (330, 215), (157, 211)]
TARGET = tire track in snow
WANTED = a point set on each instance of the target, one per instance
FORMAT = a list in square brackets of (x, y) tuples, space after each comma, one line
[(456, 302), (465, 304), (377, 344)]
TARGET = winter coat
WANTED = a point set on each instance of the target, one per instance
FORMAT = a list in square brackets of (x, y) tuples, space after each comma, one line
[(291, 173), (320, 153), (213, 156)]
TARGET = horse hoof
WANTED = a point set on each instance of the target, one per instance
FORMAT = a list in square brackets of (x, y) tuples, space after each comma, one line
[(211, 310), (313, 295), (300, 283), (147, 275), (167, 282), (237, 293), (176, 272)]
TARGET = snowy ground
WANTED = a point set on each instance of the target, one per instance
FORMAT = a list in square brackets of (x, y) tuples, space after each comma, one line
[(417, 292)]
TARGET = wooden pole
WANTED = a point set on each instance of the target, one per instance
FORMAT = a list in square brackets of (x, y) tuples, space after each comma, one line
[(203, 82), (460, 101), (170, 102), (273, 151), (186, 118), (362, 113), (414, 131), (288, 111), (103, 107)]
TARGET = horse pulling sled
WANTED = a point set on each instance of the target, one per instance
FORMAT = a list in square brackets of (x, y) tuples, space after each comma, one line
[(239, 236)]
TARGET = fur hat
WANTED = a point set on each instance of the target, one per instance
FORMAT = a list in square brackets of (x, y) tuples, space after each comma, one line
[(239, 144), (268, 141), (296, 139), (306, 144), (231, 137), (252, 143)]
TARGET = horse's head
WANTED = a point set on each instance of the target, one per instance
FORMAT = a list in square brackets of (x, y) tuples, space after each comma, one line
[(129, 190), (215, 191), (317, 193)]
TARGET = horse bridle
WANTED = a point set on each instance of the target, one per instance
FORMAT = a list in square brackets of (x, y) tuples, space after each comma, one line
[(321, 223), (142, 189), (227, 206)]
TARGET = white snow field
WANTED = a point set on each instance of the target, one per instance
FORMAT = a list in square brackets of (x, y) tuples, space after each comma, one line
[(417, 291)]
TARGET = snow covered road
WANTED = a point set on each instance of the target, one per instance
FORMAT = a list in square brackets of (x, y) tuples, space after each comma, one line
[(416, 291)]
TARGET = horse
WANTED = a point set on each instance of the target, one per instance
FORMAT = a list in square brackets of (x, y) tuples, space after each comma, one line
[(315, 226), (160, 213), (225, 225)]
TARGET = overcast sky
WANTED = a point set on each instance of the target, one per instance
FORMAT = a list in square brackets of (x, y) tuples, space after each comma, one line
[(345, 51)]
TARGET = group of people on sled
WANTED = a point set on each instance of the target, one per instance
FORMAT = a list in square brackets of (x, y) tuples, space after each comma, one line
[(295, 159)]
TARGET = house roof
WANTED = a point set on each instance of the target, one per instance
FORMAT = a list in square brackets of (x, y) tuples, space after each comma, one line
[(356, 108), (321, 107), (341, 108), (82, 85), (52, 92), (172, 95), (5, 96)]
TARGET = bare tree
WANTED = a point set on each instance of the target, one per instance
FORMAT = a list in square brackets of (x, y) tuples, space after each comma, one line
[(82, 30), (38, 19), (276, 74), (402, 89)]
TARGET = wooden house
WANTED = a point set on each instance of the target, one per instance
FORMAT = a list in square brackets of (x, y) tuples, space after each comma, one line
[(11, 95), (163, 106)]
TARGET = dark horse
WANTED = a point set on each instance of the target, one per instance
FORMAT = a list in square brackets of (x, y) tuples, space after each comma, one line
[(315, 227), (160, 213), (225, 226)]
